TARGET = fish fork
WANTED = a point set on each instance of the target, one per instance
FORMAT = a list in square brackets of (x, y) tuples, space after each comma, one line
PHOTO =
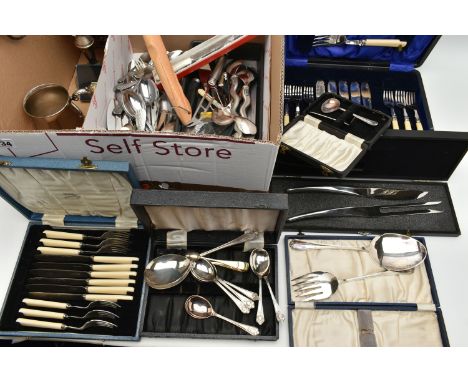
[(65, 306), (81, 237), (92, 314), (61, 326), (107, 246), (401, 102), (389, 101), (411, 103), (327, 40)]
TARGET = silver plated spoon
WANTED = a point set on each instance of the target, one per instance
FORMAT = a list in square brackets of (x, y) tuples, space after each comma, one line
[(333, 104), (200, 308), (260, 264)]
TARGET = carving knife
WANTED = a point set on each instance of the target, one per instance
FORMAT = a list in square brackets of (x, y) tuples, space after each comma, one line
[(79, 297), (79, 289), (368, 192), (370, 212), (80, 274), (85, 267), (80, 282)]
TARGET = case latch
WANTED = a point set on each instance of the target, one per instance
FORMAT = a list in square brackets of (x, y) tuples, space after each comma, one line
[(87, 164), (176, 239)]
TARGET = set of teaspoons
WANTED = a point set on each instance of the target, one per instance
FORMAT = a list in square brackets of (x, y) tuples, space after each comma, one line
[(169, 270), (68, 268)]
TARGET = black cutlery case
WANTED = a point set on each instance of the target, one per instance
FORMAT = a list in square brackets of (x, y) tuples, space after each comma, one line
[(178, 221), (399, 154), (390, 310), (73, 196)]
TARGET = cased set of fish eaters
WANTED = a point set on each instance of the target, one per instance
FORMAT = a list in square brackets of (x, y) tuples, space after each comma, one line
[(107, 257)]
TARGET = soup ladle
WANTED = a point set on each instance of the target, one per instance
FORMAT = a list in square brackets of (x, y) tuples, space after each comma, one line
[(169, 270), (200, 308), (333, 104)]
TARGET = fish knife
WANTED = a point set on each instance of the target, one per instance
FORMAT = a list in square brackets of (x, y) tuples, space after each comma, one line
[(80, 274), (79, 297)]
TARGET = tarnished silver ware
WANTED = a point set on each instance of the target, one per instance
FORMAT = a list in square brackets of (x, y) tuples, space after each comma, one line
[(200, 308), (370, 192), (370, 212), (260, 264)]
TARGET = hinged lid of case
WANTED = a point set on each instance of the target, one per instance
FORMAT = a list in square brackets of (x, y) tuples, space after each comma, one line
[(299, 52), (69, 192), (195, 211)]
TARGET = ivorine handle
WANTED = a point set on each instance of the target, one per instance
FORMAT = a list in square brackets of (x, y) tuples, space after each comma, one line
[(109, 289), (252, 330), (391, 43), (44, 303), (61, 243), (107, 297), (113, 267), (110, 282), (111, 275), (260, 317), (63, 235), (279, 314), (419, 126), (114, 259), (40, 324), (395, 125), (58, 251), (42, 314), (407, 124)]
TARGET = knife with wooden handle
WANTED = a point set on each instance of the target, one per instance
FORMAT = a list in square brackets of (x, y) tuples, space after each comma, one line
[(169, 81)]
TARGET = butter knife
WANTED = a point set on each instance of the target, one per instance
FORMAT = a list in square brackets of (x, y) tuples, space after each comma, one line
[(366, 95), (369, 192), (369, 212)]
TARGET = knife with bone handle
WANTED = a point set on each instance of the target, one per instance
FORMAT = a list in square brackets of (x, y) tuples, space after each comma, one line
[(71, 255), (80, 282), (55, 288), (80, 274), (79, 297), (93, 314), (369, 192), (85, 267)]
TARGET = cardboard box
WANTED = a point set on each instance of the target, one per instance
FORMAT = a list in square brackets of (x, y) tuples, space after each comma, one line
[(164, 157)]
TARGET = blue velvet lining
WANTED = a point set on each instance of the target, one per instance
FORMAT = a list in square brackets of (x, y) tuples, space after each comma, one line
[(299, 50)]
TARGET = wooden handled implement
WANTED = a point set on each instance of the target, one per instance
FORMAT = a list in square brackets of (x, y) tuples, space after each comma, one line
[(168, 78)]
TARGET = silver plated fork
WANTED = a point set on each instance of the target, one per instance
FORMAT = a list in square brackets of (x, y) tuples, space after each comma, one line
[(389, 101), (326, 40), (411, 104), (401, 102)]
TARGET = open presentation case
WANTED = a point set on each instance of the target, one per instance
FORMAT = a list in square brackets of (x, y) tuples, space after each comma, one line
[(430, 154), (79, 197), (393, 309), (182, 220)]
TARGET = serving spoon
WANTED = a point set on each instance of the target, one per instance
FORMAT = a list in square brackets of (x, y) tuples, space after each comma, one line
[(333, 104), (260, 264), (168, 270), (200, 308), (394, 251)]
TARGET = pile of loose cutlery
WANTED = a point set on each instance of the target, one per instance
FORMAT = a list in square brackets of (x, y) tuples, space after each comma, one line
[(71, 267), (169, 270)]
